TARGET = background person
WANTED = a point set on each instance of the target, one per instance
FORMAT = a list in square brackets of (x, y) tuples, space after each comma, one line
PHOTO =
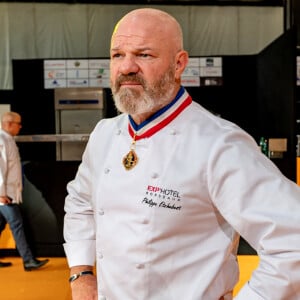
[(11, 189), (165, 189)]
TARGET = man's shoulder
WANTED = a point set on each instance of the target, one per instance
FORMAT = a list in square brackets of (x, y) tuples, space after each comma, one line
[(114, 122), (3, 135)]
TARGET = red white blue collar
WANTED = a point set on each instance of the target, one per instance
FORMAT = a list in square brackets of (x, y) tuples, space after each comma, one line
[(161, 118)]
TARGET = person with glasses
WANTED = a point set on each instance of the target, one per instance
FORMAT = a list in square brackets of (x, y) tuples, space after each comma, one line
[(11, 190)]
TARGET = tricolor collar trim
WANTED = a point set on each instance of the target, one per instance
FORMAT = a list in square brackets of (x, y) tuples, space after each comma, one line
[(161, 118)]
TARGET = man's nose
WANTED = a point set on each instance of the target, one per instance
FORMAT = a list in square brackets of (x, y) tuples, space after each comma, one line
[(129, 65)]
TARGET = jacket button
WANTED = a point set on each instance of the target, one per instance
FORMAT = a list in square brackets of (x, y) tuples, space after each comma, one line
[(173, 132), (140, 266), (154, 175)]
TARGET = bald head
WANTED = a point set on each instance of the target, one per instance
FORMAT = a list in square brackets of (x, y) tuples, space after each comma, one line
[(10, 116), (11, 122), (147, 60), (145, 22)]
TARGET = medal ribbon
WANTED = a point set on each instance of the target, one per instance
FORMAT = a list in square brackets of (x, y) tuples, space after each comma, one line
[(161, 118)]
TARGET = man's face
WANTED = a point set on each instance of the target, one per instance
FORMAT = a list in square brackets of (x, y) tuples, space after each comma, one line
[(13, 126), (142, 71)]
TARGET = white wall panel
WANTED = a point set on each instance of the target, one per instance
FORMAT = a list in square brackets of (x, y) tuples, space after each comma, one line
[(48, 30)]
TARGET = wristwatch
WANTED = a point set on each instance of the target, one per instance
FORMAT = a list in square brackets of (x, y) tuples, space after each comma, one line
[(76, 276)]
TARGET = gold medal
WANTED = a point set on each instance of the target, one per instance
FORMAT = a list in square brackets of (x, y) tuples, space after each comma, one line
[(130, 160)]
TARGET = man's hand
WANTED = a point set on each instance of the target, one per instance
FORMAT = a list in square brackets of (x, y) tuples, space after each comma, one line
[(5, 200), (84, 288)]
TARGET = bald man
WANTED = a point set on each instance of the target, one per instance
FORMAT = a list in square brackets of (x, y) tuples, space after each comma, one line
[(165, 188)]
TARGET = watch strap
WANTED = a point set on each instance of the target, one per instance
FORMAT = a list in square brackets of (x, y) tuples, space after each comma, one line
[(77, 275)]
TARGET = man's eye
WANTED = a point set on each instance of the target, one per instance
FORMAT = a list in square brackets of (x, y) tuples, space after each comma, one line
[(116, 55), (144, 55)]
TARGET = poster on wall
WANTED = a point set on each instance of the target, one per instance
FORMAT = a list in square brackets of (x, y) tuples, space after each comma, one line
[(76, 73), (99, 73), (211, 71), (55, 74)]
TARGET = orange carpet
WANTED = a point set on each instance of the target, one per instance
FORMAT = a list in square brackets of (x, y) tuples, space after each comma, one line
[(48, 283)]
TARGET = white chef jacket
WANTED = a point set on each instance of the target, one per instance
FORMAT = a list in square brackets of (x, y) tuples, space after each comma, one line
[(10, 168), (169, 228)]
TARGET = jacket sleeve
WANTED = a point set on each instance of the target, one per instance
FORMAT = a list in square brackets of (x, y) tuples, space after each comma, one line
[(263, 206), (79, 224), (248, 293), (3, 168)]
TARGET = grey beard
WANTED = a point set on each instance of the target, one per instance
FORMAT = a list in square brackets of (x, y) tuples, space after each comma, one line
[(151, 100), (132, 102)]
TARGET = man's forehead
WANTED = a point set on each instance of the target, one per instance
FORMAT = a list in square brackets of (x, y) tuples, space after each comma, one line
[(135, 40)]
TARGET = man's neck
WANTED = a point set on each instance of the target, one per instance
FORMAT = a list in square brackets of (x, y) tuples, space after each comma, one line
[(140, 118)]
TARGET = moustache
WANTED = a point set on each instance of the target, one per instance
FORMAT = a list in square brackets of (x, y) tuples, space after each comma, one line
[(134, 78)]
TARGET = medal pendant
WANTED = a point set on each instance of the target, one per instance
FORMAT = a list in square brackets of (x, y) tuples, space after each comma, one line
[(130, 160)]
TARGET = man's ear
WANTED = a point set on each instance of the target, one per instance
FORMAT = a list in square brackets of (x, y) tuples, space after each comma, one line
[(182, 59)]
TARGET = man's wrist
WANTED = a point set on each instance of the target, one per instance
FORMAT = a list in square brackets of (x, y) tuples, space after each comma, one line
[(82, 273)]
